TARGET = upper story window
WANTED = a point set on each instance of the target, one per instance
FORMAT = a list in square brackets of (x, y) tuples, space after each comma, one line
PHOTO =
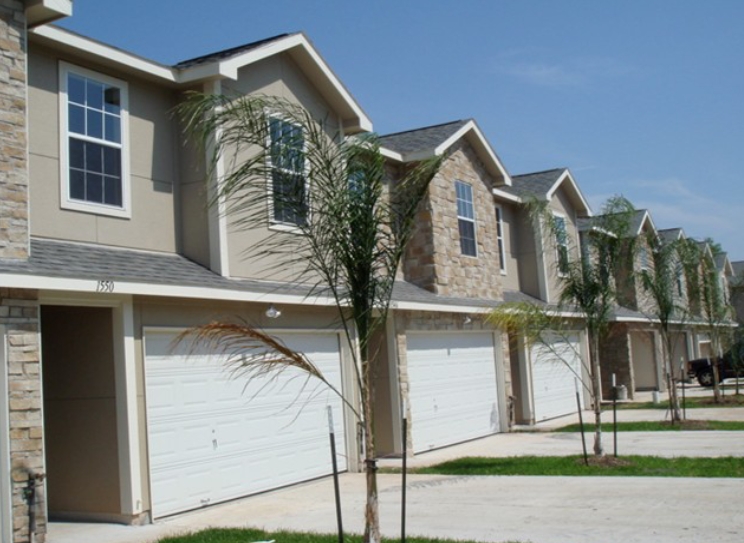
[(466, 218), (94, 142), (500, 240), (680, 274), (561, 244), (288, 180), (644, 256)]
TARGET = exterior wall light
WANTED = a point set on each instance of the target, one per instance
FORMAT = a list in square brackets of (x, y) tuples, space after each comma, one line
[(273, 313)]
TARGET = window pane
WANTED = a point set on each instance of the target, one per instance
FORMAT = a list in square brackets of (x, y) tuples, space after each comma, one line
[(94, 158), (112, 191), (77, 185), (112, 100), (467, 237), (95, 124), (75, 89), (77, 154), (113, 128), (76, 119), (95, 94), (94, 188), (112, 161)]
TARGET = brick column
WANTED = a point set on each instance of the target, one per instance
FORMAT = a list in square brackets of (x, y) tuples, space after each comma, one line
[(19, 314), (14, 235)]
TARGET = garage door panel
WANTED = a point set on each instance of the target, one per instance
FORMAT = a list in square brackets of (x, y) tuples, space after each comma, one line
[(554, 372), (223, 437), (452, 380)]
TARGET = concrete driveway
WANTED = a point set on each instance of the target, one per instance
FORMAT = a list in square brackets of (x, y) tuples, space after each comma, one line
[(495, 509), (534, 509)]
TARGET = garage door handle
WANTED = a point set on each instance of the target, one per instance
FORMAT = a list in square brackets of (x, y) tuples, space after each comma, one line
[(214, 444)]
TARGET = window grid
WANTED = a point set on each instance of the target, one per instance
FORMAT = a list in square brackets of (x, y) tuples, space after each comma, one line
[(561, 239), (500, 240), (288, 184), (94, 126), (466, 218)]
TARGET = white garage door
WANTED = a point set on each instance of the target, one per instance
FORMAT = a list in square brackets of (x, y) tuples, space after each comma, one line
[(453, 392), (214, 437), (555, 367)]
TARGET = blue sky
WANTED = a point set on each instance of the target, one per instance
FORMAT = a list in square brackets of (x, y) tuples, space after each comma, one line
[(640, 98)]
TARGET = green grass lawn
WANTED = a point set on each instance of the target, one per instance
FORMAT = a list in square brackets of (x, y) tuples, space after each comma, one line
[(660, 426), (633, 466), (730, 400), (235, 535)]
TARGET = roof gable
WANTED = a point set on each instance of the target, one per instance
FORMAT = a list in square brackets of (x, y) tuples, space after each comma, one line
[(220, 65), (544, 185), (421, 143)]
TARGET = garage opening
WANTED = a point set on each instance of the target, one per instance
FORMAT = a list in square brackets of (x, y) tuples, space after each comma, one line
[(82, 464), (644, 361)]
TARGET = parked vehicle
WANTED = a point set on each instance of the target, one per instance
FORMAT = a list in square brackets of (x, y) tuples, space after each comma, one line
[(730, 365)]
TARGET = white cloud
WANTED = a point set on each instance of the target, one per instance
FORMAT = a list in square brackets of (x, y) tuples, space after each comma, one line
[(530, 66)]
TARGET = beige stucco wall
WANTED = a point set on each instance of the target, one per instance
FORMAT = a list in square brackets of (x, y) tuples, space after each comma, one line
[(512, 244), (82, 462), (152, 142), (276, 76), (434, 260)]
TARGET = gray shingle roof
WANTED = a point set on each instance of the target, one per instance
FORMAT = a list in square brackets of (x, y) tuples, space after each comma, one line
[(534, 184), (738, 278), (670, 234), (71, 260), (227, 53), (421, 139)]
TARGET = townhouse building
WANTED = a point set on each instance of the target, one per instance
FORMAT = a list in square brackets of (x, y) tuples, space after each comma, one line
[(110, 248)]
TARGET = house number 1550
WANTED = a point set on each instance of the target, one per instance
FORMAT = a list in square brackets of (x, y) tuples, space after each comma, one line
[(105, 286)]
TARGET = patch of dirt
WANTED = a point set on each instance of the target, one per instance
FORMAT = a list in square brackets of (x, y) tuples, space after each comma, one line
[(726, 400), (689, 424), (606, 462)]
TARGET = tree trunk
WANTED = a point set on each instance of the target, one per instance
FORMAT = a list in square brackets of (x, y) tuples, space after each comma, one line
[(674, 410), (597, 396), (372, 507)]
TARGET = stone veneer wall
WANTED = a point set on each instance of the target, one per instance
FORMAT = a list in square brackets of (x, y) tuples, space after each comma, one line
[(13, 148), (433, 260), (19, 314), (615, 356), (429, 321)]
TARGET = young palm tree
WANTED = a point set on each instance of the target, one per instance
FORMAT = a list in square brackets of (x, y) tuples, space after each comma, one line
[(350, 226), (659, 283)]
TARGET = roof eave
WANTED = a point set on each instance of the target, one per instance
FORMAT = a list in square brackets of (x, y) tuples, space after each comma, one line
[(41, 12)]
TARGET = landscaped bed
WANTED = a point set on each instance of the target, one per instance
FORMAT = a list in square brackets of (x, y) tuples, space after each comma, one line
[(634, 466), (247, 535), (655, 426), (729, 399)]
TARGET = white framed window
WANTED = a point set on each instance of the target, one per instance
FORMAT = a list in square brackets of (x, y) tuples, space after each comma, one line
[(561, 244), (288, 183), (466, 218), (500, 239), (94, 142), (643, 250), (680, 274)]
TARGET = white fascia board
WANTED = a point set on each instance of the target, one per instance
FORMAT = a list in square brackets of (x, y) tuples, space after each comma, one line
[(91, 286), (566, 176), (40, 12), (493, 164), (506, 196), (107, 54), (229, 68), (647, 219), (438, 308), (392, 155)]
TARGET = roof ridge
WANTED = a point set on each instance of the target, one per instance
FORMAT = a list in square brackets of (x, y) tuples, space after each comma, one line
[(425, 128), (561, 169), (233, 50)]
